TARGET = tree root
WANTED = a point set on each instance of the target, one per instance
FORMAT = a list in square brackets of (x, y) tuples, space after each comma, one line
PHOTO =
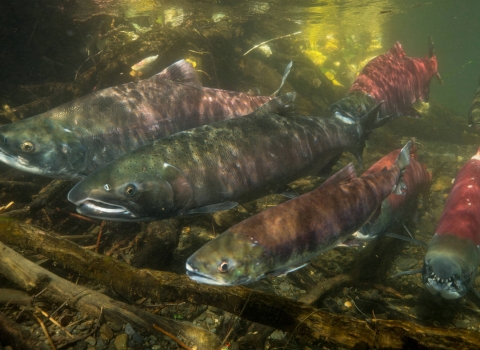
[(272, 310)]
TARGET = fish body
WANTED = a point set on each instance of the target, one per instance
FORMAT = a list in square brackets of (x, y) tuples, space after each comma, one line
[(74, 139), (395, 209), (452, 258), (286, 237), (474, 112), (215, 166), (395, 78)]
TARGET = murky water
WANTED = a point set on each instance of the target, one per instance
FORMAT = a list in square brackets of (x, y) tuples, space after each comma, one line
[(56, 51)]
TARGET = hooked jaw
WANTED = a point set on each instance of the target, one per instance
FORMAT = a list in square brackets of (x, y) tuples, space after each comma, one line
[(444, 276), (105, 211)]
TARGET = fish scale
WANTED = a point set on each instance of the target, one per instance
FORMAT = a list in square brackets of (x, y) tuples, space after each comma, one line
[(72, 140), (285, 237), (225, 162)]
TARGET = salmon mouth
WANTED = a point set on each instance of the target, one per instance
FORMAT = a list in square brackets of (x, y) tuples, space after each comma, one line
[(101, 209), (448, 288), (199, 277)]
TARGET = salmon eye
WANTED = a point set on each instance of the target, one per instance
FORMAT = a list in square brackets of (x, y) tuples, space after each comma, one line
[(223, 267), (130, 190), (27, 146)]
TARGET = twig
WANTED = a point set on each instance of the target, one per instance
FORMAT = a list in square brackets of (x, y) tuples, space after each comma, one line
[(78, 216), (86, 335), (43, 199), (99, 237), (45, 331), (267, 41), (233, 325), (54, 322), (171, 336)]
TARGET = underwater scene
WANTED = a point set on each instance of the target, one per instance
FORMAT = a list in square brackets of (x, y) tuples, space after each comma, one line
[(226, 175)]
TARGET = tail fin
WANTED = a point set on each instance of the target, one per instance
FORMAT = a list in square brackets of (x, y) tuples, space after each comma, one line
[(402, 161), (369, 121), (285, 75), (431, 53), (282, 105), (430, 47)]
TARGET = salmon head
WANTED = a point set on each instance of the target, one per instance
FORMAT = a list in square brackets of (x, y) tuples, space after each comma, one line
[(228, 260), (42, 146), (450, 266), (132, 188)]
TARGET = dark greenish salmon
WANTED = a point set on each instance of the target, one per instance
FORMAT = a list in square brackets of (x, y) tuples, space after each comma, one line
[(286, 237), (74, 139), (213, 167), (474, 112)]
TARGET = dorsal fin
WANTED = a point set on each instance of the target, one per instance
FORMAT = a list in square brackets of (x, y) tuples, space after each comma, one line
[(282, 105), (181, 72), (346, 174), (477, 155), (397, 50)]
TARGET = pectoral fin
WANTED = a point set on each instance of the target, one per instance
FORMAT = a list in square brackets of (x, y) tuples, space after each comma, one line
[(286, 269), (212, 208)]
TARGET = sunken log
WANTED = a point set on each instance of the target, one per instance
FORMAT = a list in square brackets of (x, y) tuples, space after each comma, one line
[(278, 312), (30, 276)]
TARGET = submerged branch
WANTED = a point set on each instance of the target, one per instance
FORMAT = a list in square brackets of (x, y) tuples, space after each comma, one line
[(268, 309), (29, 275)]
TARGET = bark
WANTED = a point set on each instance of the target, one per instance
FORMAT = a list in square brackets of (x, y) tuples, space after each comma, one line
[(271, 310), (29, 275)]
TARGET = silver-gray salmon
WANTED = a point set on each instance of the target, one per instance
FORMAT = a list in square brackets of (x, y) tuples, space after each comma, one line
[(286, 237), (74, 139), (215, 166)]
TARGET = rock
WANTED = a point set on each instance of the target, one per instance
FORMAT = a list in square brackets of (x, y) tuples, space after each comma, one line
[(284, 286), (442, 183), (81, 345), (215, 310), (404, 264), (209, 321), (121, 342), (100, 344), (105, 332), (115, 326), (461, 324), (91, 341), (136, 340), (129, 330), (156, 347), (202, 317)]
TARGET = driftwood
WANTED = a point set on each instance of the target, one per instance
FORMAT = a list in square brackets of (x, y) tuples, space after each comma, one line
[(260, 307), (42, 200), (30, 276), (16, 297)]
